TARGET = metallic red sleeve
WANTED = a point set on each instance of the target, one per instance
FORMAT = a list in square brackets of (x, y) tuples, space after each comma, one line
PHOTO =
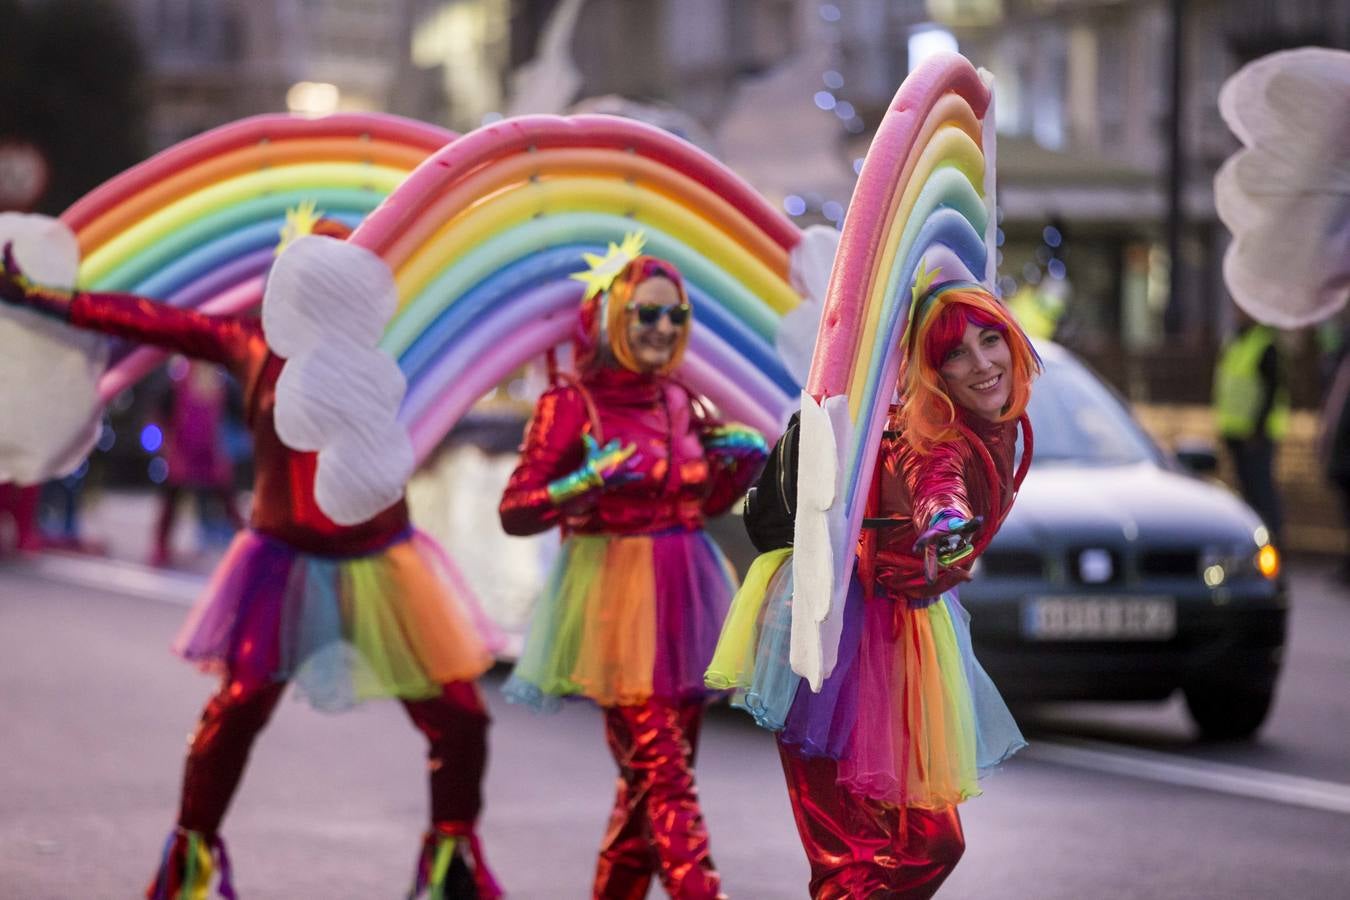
[(936, 481), (229, 340), (552, 448), (730, 475)]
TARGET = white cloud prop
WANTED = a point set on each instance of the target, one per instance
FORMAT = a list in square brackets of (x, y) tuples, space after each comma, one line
[(809, 266), (324, 310), (50, 410), (1286, 195)]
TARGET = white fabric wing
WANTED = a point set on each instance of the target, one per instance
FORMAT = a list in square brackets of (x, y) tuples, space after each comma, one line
[(818, 539), (1286, 195), (50, 410), (324, 310)]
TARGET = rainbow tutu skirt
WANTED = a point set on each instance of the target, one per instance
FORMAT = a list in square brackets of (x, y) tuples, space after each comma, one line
[(908, 713), (625, 618), (398, 622)]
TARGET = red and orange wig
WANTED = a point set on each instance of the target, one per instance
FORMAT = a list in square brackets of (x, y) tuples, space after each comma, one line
[(937, 323), (604, 319)]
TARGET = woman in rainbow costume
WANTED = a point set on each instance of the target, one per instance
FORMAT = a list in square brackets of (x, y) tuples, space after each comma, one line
[(900, 730), (628, 463), (348, 612)]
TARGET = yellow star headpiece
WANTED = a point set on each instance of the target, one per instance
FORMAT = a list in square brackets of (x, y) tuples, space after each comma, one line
[(923, 279), (603, 269), (300, 221)]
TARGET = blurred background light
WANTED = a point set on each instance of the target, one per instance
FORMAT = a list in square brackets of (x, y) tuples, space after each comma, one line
[(312, 98), (151, 438), (924, 42)]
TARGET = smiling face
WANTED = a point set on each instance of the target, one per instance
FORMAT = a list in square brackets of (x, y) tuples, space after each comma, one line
[(977, 372), (653, 345)]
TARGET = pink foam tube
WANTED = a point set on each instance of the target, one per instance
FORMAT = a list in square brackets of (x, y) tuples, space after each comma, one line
[(494, 366), (478, 360), (765, 415), (253, 130), (520, 135), (713, 368), (836, 346)]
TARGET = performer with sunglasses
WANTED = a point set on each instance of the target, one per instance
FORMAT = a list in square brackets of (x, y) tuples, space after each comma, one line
[(877, 761), (628, 463), (347, 611)]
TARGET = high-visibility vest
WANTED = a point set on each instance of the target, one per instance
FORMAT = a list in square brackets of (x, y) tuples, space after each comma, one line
[(1036, 311), (1239, 392)]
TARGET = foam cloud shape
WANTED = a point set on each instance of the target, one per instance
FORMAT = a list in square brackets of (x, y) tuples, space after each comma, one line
[(50, 411), (1286, 195), (324, 310), (809, 266)]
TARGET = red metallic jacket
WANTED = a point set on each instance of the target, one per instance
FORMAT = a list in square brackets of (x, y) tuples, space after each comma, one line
[(680, 486), (283, 484), (972, 475)]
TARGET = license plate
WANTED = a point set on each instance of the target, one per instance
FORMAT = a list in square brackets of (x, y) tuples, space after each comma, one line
[(1099, 618)]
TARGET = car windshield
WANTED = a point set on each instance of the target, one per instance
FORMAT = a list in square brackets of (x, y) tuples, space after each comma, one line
[(1077, 419)]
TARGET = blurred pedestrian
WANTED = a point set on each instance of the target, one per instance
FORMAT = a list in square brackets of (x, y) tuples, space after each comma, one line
[(878, 759), (194, 449), (629, 464), (1251, 408), (18, 518)]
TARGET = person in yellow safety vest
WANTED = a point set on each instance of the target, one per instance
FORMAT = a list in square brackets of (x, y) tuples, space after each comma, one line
[(1251, 408), (1037, 309)]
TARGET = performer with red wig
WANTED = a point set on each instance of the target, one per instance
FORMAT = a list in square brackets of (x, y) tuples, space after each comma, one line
[(347, 611), (628, 463), (877, 761)]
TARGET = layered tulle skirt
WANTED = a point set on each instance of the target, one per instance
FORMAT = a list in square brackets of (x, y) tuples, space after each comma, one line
[(398, 622), (908, 713), (625, 618)]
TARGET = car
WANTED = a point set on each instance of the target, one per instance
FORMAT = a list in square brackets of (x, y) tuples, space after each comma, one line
[(1121, 575)]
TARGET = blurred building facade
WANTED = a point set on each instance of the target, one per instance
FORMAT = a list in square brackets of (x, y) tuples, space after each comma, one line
[(788, 92), (1086, 99)]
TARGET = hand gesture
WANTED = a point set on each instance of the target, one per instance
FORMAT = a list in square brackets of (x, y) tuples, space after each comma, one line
[(602, 468), (735, 441), (946, 541), (611, 464), (18, 289)]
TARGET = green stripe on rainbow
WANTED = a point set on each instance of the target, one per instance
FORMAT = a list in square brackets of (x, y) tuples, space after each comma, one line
[(482, 239), (197, 222)]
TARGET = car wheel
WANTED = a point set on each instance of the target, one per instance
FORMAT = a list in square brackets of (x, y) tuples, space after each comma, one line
[(1225, 714)]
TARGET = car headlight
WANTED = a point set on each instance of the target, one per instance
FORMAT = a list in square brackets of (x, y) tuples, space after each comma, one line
[(1268, 562), (1219, 566)]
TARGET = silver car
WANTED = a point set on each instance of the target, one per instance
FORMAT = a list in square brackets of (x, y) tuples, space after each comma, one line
[(1121, 576)]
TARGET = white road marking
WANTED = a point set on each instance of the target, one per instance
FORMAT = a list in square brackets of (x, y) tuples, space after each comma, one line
[(1241, 781), (178, 588)]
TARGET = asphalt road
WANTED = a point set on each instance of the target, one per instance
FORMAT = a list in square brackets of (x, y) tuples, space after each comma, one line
[(1110, 802)]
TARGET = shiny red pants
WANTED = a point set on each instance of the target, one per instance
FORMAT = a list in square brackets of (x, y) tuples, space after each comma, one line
[(656, 825), (455, 724), (859, 847)]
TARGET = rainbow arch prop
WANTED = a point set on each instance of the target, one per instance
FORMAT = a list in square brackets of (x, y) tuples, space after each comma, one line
[(482, 237), (925, 197), (196, 225)]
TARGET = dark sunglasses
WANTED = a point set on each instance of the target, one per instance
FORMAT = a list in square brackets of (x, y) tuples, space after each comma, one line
[(649, 314)]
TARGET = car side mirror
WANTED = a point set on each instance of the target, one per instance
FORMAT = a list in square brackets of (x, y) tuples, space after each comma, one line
[(1197, 456)]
